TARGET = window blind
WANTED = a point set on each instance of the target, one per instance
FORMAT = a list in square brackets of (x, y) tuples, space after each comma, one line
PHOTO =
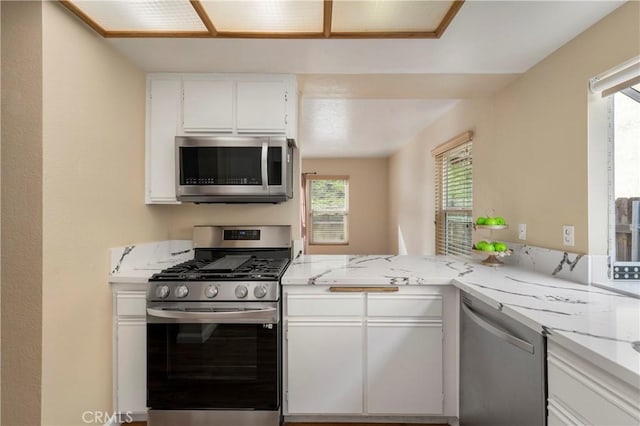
[(618, 78), (454, 196), (328, 210)]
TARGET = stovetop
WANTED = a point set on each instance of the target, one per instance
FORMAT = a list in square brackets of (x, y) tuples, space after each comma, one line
[(254, 269)]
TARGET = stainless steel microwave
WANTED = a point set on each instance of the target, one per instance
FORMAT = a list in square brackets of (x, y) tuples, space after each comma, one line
[(234, 169)]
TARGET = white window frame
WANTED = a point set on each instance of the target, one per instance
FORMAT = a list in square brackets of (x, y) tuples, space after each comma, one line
[(310, 211), (618, 269), (601, 128)]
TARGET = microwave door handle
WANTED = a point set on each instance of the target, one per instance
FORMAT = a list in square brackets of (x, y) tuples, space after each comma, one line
[(182, 315), (265, 175)]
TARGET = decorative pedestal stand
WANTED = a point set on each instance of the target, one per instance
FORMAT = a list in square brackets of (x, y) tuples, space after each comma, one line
[(492, 259)]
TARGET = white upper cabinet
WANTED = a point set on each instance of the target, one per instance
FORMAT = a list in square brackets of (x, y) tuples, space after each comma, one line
[(210, 105), (207, 106), (262, 107), (163, 112)]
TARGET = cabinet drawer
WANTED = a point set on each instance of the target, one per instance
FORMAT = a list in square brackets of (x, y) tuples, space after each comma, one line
[(594, 402), (320, 305), (404, 305), (131, 303)]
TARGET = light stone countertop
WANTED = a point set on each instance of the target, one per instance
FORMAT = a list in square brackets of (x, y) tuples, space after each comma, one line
[(136, 263), (595, 323), (600, 325)]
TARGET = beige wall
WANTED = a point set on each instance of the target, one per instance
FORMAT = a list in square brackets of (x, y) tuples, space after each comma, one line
[(412, 176), (368, 203), (531, 146), (21, 213), (93, 192)]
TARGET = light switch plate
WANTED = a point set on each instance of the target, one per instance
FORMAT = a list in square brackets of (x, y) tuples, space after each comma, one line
[(568, 235)]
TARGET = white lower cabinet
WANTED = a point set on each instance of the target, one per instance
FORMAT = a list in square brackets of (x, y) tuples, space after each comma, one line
[(404, 367), (325, 367), (581, 393), (363, 354), (130, 350), (132, 368)]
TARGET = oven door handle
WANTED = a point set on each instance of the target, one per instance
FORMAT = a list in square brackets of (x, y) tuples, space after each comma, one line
[(249, 314)]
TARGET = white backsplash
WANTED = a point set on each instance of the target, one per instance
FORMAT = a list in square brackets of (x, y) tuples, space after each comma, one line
[(152, 257), (561, 264)]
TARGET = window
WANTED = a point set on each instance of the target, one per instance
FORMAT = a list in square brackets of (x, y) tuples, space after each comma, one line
[(328, 208), (619, 90), (454, 195), (625, 182)]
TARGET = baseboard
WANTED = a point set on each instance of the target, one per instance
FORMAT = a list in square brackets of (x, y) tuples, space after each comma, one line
[(371, 419)]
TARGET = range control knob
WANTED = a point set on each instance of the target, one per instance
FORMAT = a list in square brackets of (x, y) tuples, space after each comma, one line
[(241, 291), (181, 291), (162, 291), (260, 291), (211, 291)]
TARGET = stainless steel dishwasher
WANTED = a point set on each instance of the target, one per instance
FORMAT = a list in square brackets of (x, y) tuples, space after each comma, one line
[(502, 368)]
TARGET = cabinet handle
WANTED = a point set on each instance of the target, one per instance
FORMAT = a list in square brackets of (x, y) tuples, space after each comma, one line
[(351, 289)]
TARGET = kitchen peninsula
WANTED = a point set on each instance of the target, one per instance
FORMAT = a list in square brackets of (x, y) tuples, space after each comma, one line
[(585, 326)]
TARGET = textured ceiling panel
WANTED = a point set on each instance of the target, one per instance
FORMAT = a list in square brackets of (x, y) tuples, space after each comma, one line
[(388, 15), (173, 15), (266, 16)]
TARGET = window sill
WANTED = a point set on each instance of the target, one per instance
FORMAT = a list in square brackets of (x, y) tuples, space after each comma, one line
[(329, 244), (627, 288)]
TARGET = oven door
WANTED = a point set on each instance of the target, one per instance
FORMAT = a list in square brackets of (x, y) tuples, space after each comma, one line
[(222, 356), (225, 166)]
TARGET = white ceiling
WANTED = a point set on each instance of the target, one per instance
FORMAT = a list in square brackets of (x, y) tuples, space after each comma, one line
[(484, 37), (334, 127), (487, 42)]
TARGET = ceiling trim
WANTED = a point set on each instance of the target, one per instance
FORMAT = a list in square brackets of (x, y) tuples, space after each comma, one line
[(328, 12), (204, 17), (453, 10), (84, 17), (213, 33)]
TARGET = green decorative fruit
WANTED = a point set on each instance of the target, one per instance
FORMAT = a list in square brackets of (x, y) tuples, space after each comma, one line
[(500, 246), (480, 245), (500, 220), (490, 221), (489, 247), (481, 220)]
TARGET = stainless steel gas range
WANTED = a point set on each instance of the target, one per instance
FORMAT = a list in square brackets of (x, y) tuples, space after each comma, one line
[(214, 330)]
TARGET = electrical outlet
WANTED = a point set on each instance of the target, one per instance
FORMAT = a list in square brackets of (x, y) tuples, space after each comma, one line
[(568, 235), (522, 231)]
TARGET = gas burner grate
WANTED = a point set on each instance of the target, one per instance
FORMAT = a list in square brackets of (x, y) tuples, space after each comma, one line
[(194, 270)]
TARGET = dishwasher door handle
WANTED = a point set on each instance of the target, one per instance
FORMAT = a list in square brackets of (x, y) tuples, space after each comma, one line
[(515, 341)]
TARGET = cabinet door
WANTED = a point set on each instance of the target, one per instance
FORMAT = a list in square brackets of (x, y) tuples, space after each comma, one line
[(207, 106), (261, 107), (558, 415), (132, 365), (404, 367), (324, 367), (163, 112)]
